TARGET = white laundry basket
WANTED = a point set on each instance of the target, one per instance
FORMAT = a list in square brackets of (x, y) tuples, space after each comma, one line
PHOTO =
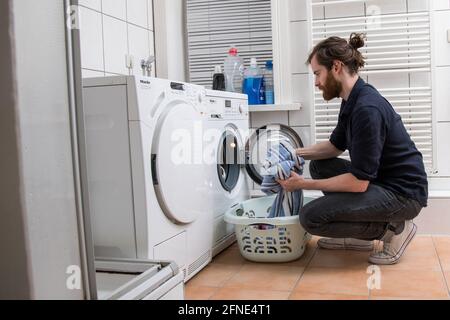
[(263, 239)]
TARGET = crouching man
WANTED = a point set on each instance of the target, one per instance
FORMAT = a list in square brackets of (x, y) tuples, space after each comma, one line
[(377, 194)]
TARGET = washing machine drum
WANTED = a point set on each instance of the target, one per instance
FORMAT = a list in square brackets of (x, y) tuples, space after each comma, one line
[(261, 141)]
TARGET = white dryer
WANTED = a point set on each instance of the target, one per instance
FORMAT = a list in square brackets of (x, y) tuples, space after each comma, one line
[(239, 153), (146, 179)]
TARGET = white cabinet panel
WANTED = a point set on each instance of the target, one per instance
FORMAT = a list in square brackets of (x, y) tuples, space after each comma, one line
[(440, 4), (442, 88), (138, 42), (137, 12), (91, 39), (385, 7), (93, 4), (260, 119), (115, 8), (299, 46), (297, 10), (301, 93), (381, 81), (441, 23), (151, 37), (116, 48), (418, 5), (344, 10), (443, 150)]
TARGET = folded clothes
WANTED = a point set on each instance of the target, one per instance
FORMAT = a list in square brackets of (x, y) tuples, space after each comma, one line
[(281, 161)]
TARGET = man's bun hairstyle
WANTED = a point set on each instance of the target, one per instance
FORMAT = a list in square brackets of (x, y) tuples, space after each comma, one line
[(336, 48)]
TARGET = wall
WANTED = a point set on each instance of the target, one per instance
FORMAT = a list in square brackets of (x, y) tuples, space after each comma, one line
[(14, 269), (113, 29), (44, 144), (170, 39)]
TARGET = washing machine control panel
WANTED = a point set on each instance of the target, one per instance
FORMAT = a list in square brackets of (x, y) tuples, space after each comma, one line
[(220, 108)]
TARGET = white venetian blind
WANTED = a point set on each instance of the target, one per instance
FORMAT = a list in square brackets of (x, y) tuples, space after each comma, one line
[(214, 26), (397, 45)]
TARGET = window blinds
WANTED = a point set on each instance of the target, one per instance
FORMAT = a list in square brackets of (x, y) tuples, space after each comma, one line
[(396, 44), (214, 26)]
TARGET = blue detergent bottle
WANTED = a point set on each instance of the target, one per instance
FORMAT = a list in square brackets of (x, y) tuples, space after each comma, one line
[(253, 84)]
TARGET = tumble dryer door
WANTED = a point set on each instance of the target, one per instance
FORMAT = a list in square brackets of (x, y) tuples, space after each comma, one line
[(178, 173), (261, 141)]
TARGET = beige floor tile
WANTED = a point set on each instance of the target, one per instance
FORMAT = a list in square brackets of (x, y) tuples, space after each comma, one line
[(447, 278), (442, 245), (422, 284), (230, 256), (199, 293), (303, 295), (334, 280), (247, 294), (215, 275), (340, 259), (405, 298), (420, 255), (265, 277)]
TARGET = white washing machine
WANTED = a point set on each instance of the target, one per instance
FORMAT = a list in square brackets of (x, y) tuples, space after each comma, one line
[(146, 179), (239, 153), (227, 130)]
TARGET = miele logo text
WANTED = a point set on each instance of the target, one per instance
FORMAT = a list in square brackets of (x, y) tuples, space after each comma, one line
[(145, 82)]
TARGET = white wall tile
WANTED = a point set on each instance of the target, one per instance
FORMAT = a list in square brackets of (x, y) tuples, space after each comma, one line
[(116, 47), (385, 6), (442, 47), (435, 218), (137, 12), (301, 93), (139, 48), (91, 39), (443, 150), (297, 10), (318, 12), (299, 46), (150, 15), (115, 8), (440, 4), (418, 5), (344, 10), (92, 74), (442, 87), (260, 119), (93, 4)]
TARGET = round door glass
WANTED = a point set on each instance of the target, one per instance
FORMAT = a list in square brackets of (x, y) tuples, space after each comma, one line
[(229, 167), (261, 141)]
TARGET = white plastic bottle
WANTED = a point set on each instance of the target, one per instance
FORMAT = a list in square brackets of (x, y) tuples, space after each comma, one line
[(234, 71)]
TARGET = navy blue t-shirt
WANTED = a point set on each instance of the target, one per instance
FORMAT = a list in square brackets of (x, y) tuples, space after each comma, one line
[(381, 150)]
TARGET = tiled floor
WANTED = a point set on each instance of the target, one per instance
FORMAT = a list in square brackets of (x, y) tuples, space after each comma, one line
[(423, 273)]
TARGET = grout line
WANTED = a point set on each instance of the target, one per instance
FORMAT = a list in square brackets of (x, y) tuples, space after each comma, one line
[(440, 264), (304, 270)]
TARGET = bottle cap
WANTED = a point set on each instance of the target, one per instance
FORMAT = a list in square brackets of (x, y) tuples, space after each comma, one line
[(253, 62), (217, 69), (269, 64), (233, 52)]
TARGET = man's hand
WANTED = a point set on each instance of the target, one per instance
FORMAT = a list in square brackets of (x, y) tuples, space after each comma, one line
[(294, 183)]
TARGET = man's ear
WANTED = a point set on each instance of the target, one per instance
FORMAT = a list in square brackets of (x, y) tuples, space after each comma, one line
[(337, 66)]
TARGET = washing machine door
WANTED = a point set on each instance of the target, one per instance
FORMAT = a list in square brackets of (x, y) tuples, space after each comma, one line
[(177, 170), (261, 141), (229, 158)]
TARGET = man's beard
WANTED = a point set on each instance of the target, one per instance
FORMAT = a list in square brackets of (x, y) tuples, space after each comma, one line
[(332, 88)]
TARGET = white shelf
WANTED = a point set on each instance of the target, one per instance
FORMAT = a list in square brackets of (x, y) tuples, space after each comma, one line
[(275, 107)]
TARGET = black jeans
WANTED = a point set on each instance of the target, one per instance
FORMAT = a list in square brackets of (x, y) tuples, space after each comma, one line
[(364, 216)]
